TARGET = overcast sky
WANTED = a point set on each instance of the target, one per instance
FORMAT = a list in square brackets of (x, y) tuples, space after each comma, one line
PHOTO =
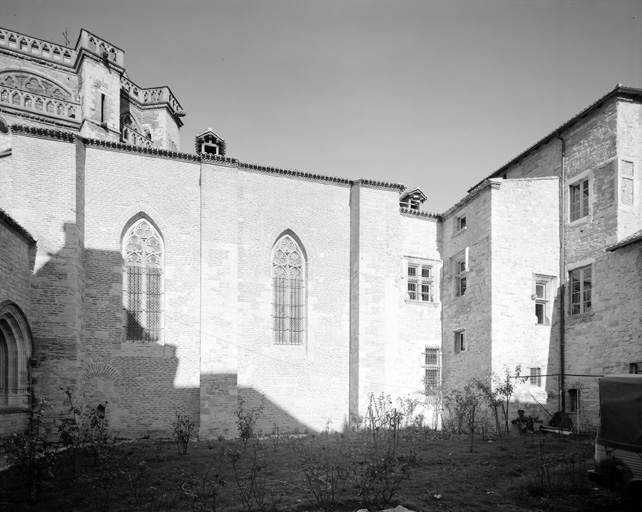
[(434, 94)]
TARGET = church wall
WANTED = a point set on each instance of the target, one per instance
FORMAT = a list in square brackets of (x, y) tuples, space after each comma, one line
[(99, 86), (145, 383), (220, 203), (63, 76), (164, 131), (15, 272), (305, 386), (525, 251), (379, 262), (48, 211)]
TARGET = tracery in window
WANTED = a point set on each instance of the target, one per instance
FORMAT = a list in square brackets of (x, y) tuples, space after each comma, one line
[(143, 282), (289, 280)]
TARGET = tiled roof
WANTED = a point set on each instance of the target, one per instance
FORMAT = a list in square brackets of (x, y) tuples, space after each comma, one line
[(635, 237), (6, 219), (201, 157), (619, 90)]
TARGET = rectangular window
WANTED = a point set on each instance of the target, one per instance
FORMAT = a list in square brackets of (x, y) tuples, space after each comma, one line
[(421, 283), (536, 377), (460, 278), (432, 368), (460, 223), (460, 341), (289, 310), (635, 368), (573, 400), (102, 109), (579, 200), (581, 287), (542, 297)]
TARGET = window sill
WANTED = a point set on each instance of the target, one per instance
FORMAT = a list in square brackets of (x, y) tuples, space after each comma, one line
[(579, 317), (460, 231), (580, 221), (422, 302)]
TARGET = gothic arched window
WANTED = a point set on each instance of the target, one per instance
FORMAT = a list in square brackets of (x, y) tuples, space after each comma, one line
[(143, 282), (288, 283), (15, 352)]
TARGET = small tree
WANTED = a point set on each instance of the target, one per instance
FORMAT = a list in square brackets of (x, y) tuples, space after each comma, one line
[(492, 399), (246, 420), (470, 404), (505, 389)]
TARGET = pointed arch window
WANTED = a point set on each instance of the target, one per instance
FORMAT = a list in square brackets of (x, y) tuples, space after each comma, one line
[(289, 283), (15, 352), (143, 282)]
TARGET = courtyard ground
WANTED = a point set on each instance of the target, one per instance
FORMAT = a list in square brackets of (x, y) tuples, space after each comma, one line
[(421, 470)]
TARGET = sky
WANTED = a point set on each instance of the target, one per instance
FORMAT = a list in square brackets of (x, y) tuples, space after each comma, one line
[(431, 94)]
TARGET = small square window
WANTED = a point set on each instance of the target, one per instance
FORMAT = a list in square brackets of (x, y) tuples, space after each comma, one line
[(536, 377), (635, 368)]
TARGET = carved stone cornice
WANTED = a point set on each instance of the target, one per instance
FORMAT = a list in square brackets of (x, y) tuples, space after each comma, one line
[(381, 184), (43, 132), (141, 149)]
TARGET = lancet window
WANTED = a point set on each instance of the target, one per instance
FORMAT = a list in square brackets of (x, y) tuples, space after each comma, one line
[(15, 352), (289, 289), (143, 282)]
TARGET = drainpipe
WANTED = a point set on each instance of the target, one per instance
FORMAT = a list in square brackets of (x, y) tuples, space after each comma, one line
[(562, 289)]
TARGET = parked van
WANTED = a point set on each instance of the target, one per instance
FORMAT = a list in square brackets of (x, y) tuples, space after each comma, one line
[(618, 447)]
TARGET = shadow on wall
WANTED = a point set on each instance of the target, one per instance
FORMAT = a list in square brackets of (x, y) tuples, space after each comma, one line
[(80, 338)]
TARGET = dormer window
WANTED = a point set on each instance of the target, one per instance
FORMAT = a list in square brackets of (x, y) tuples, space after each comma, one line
[(210, 143), (412, 200)]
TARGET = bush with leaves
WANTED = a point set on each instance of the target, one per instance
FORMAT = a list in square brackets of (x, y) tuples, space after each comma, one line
[(377, 475), (85, 427), (32, 452), (151, 494), (183, 431), (325, 470), (202, 493), (246, 420), (255, 492)]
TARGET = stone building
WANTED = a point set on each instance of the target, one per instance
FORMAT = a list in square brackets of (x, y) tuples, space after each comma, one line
[(159, 281)]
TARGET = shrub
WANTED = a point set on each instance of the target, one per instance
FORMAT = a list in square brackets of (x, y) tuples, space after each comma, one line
[(377, 476), (183, 432), (32, 453), (325, 472), (246, 420)]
